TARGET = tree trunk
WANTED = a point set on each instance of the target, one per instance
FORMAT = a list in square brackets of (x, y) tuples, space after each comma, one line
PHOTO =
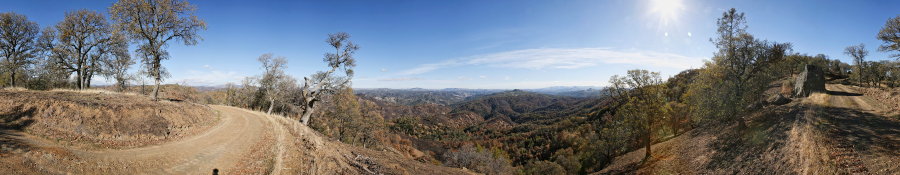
[(81, 74), (78, 78), (271, 105), (87, 82), (648, 142), (12, 78), (675, 124), (306, 114), (121, 86), (156, 88), (736, 110)]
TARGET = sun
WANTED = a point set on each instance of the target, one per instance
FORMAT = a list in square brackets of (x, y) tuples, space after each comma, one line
[(666, 10)]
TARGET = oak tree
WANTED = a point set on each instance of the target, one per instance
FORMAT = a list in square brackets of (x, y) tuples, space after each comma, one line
[(84, 40), (274, 82), (890, 35), (640, 95), (18, 43), (152, 24), (117, 66), (858, 53)]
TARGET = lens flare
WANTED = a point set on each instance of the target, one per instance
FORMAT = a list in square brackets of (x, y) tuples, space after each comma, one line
[(666, 10)]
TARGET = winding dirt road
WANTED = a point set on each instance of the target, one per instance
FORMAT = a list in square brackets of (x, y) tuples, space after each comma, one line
[(222, 147)]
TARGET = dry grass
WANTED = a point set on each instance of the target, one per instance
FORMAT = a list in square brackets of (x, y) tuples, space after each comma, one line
[(787, 88), (807, 141), (889, 97), (14, 89), (94, 91), (103, 119), (309, 152)]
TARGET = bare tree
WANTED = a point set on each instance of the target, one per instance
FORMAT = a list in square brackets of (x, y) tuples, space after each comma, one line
[(18, 42), (274, 82), (322, 83), (858, 52), (152, 24), (890, 35), (84, 40)]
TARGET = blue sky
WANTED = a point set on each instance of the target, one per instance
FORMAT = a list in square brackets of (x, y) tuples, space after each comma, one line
[(491, 44)]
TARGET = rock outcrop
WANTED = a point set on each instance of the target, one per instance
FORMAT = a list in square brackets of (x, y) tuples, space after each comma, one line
[(812, 79)]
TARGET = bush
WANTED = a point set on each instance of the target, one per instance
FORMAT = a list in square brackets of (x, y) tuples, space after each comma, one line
[(543, 167)]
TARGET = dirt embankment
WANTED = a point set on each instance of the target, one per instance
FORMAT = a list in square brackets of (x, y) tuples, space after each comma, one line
[(888, 97), (100, 119)]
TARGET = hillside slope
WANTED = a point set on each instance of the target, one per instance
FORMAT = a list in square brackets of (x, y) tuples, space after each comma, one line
[(238, 142), (839, 132), (96, 119)]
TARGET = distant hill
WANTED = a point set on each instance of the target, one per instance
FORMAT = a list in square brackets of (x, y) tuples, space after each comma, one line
[(417, 96), (575, 91), (509, 105), (448, 96)]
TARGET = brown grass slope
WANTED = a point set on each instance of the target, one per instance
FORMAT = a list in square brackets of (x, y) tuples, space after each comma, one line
[(839, 132), (102, 119), (309, 152)]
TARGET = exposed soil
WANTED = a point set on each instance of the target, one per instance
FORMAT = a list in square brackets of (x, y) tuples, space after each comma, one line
[(839, 132), (97, 119)]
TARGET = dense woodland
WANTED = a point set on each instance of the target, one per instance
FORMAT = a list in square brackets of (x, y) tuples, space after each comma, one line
[(488, 131)]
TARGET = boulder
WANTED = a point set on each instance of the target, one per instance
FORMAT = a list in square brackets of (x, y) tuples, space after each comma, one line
[(778, 99), (812, 79)]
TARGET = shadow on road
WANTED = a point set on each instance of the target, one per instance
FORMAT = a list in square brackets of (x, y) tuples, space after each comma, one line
[(842, 93), (12, 122), (863, 131)]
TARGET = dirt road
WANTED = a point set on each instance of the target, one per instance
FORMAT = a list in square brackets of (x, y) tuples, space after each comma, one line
[(843, 96), (223, 147), (856, 134)]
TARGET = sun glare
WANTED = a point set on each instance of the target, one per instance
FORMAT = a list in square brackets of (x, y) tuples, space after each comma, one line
[(666, 10)]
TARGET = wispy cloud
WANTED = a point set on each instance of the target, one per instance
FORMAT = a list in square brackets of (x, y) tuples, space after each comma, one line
[(429, 67), (564, 58), (208, 76)]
